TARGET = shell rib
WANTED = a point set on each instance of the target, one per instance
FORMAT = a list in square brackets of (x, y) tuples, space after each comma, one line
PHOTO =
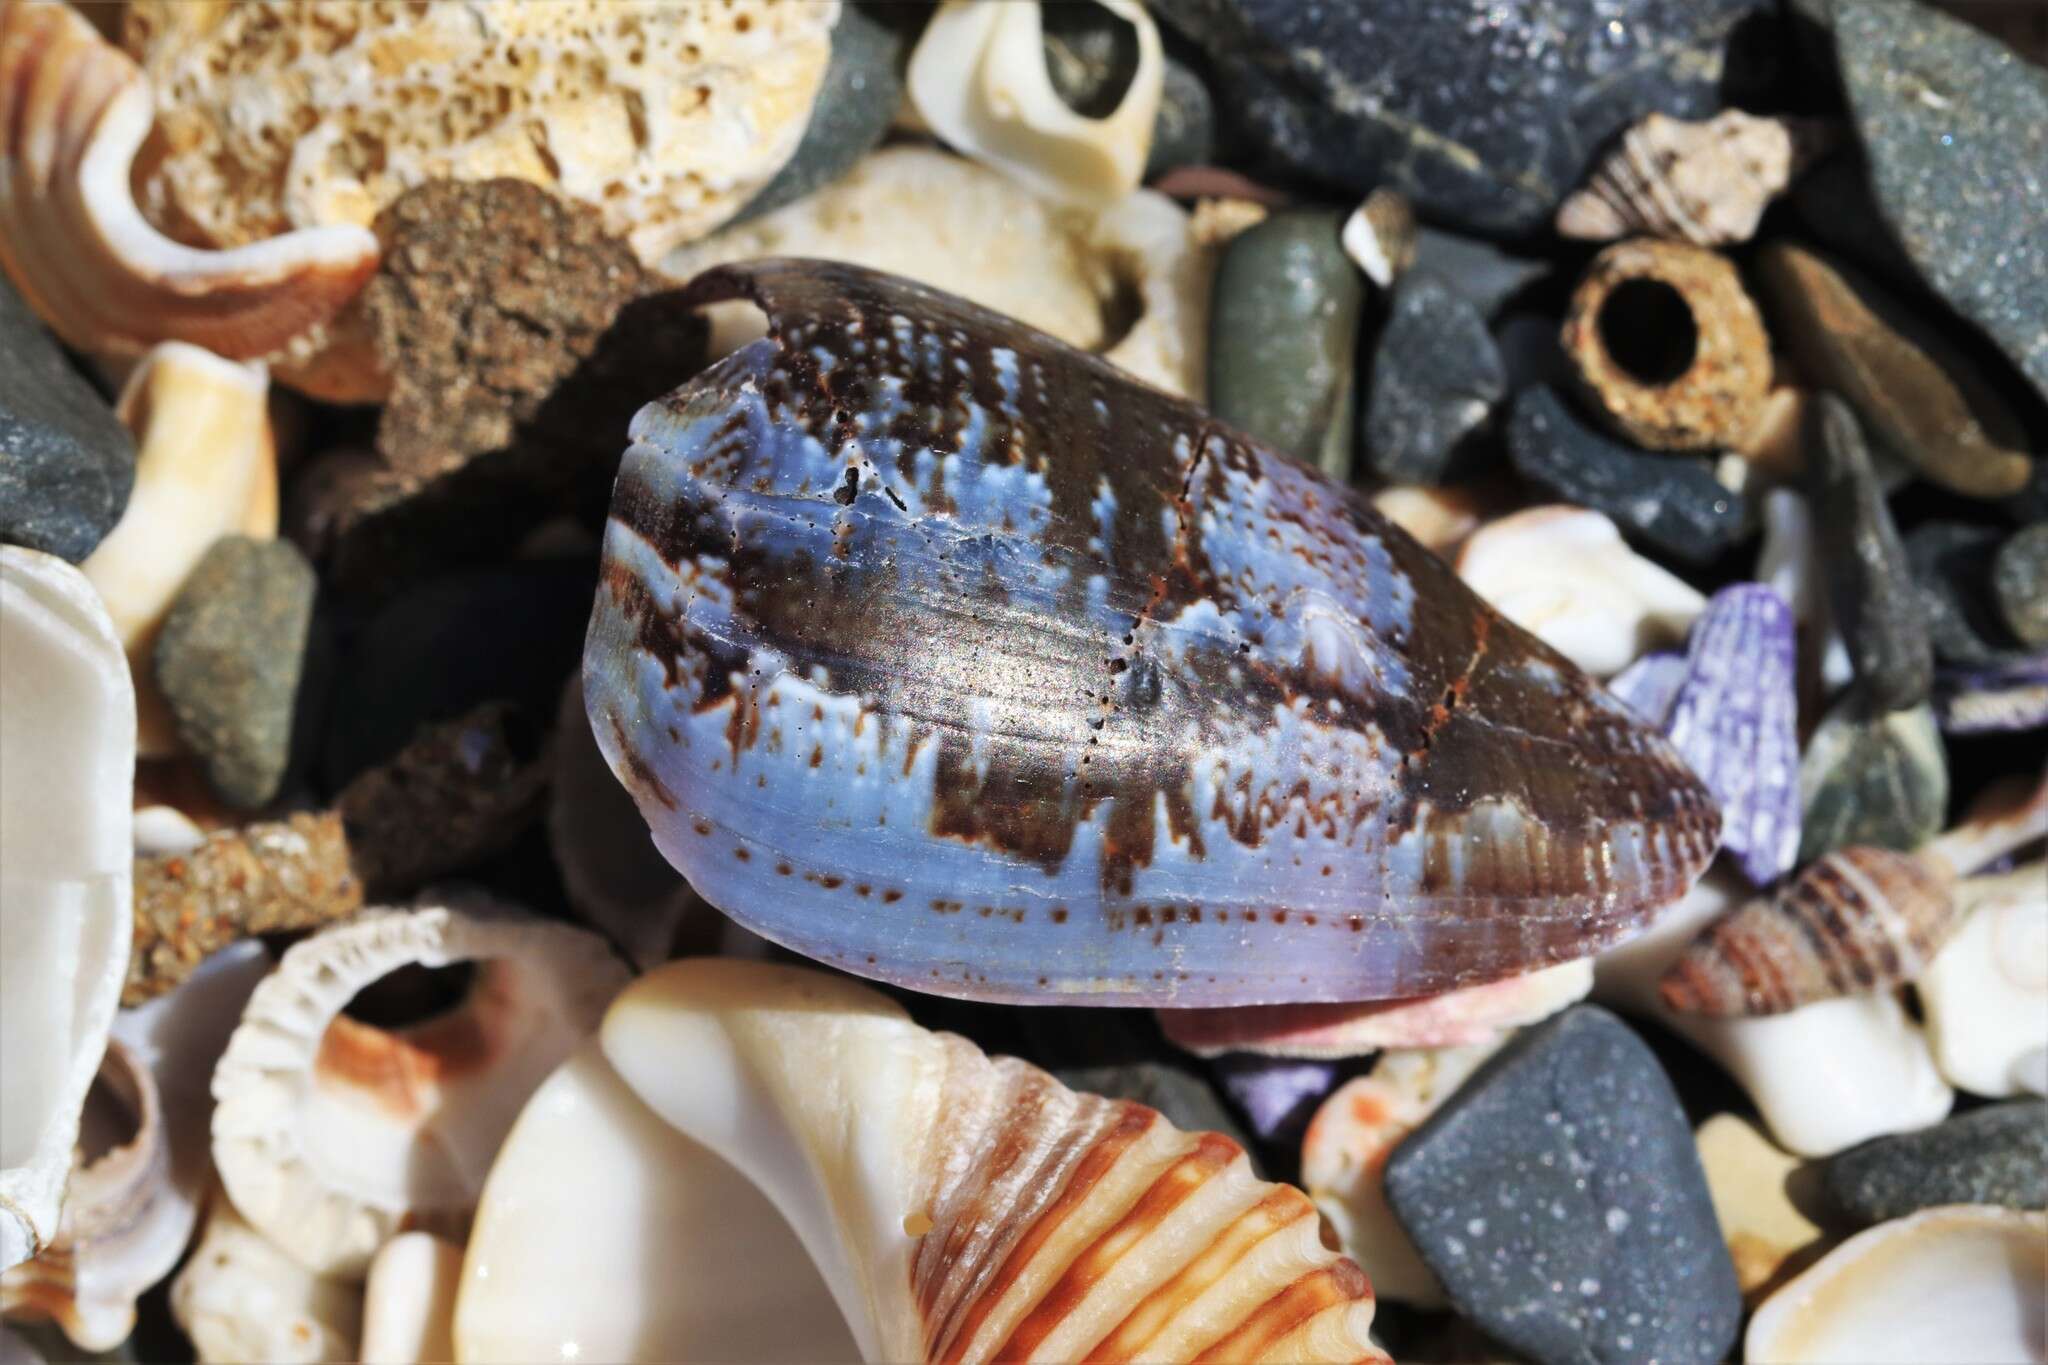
[(963, 1208), (948, 655), (73, 111)]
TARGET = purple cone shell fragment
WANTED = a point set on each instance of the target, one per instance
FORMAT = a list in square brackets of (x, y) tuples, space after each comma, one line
[(944, 653)]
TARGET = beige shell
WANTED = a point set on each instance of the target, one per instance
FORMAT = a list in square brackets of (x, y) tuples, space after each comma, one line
[(1705, 183), (409, 1301), (979, 80), (331, 1134), (241, 1299), (1985, 994), (1752, 1182), (73, 111), (67, 730), (278, 114), (963, 1208)]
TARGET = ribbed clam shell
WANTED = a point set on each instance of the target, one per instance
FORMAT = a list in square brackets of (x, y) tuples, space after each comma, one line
[(1860, 919), (948, 655), (1706, 183)]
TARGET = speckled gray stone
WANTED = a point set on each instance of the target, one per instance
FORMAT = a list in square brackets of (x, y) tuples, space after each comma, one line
[(2020, 578), (1868, 779), (66, 464), (1485, 114), (1994, 1155), (1558, 1196), (1952, 564), (1436, 377), (1955, 128)]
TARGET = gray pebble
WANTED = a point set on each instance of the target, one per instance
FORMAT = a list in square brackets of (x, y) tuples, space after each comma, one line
[(1994, 1155), (2020, 578), (1184, 134), (1871, 780), (66, 464), (1436, 377), (1952, 563)]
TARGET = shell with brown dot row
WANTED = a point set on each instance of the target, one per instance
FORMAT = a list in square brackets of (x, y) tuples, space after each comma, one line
[(941, 652)]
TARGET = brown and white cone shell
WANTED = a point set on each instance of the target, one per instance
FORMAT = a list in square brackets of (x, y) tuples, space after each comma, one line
[(968, 1208), (1707, 183), (1860, 919)]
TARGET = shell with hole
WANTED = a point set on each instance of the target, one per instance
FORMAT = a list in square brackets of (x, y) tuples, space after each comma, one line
[(240, 1299), (67, 727), (331, 1134), (968, 1208), (74, 110)]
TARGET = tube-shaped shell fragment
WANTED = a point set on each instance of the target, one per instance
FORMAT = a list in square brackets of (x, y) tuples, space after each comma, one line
[(946, 654)]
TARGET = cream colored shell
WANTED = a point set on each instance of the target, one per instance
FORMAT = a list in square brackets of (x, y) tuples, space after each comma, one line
[(1707, 183), (241, 1299), (409, 1301), (1985, 994), (665, 117)]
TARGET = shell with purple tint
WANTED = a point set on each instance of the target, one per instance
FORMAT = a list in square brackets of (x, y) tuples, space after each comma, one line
[(944, 653)]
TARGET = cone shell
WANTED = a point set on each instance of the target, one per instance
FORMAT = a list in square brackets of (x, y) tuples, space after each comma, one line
[(1860, 919), (964, 1208), (1706, 183)]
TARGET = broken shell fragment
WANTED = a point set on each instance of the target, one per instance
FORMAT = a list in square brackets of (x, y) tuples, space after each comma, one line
[(73, 240), (239, 1299), (1960, 1282), (968, 1208), (1379, 236), (978, 78), (409, 1301), (1073, 692), (332, 1134), (67, 728), (1985, 994), (1751, 1180), (1707, 183)]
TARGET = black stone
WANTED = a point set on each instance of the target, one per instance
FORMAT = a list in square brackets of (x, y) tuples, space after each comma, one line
[(1484, 114), (66, 464), (1559, 1198), (1994, 1155), (1672, 503), (2020, 578), (1436, 378), (1952, 564), (1870, 584)]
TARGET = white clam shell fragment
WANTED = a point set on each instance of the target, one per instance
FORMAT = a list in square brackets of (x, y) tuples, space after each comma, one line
[(67, 729), (979, 80), (1963, 1282), (968, 1208), (409, 1301), (604, 1234), (241, 1299), (1565, 575), (331, 1135), (1985, 994)]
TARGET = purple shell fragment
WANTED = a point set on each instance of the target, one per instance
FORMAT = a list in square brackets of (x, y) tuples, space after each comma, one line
[(2011, 697), (1649, 686), (1278, 1096)]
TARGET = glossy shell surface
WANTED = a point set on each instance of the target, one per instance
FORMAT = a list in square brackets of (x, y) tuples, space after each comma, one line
[(939, 651)]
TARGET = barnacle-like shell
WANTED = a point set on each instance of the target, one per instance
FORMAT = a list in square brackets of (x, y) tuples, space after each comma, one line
[(1985, 993), (73, 111), (1705, 183), (968, 1208), (978, 78), (409, 1301), (944, 653), (240, 1299), (67, 728), (331, 1134), (1959, 1282), (205, 466), (678, 1255)]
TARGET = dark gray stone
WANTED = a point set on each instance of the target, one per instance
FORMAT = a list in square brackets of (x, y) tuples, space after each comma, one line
[(1559, 1198), (1870, 584), (1871, 779), (1994, 1155), (1283, 333), (1436, 378), (1484, 114), (66, 464), (862, 90), (1954, 125), (1184, 134), (1672, 503), (1952, 563), (1486, 275), (1183, 1097), (2020, 578), (229, 660)]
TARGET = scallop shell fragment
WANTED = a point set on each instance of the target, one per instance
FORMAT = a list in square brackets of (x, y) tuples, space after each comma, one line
[(1707, 183), (331, 1134), (968, 1208), (67, 728)]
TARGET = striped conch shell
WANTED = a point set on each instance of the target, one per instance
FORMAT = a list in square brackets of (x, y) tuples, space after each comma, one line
[(968, 1208), (73, 111), (1705, 183), (1859, 919)]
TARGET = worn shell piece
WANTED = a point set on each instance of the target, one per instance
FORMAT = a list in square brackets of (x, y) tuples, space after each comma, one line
[(677, 1255), (67, 730), (1983, 701), (1752, 1182), (1701, 182), (978, 77), (409, 1301), (1380, 236), (1461, 1018), (1985, 994), (968, 1208), (1960, 1282), (239, 1299), (938, 651), (331, 1134), (1565, 575), (73, 112), (1627, 331)]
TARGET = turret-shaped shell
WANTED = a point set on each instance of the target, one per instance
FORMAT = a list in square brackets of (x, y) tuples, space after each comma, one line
[(964, 1208), (1705, 183), (946, 654)]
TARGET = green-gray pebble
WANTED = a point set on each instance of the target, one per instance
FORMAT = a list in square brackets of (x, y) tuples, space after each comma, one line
[(1868, 779), (1994, 1155), (1283, 332), (229, 659), (66, 464), (2020, 578)]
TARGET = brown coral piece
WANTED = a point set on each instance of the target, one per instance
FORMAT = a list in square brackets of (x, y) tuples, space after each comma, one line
[(1669, 345)]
